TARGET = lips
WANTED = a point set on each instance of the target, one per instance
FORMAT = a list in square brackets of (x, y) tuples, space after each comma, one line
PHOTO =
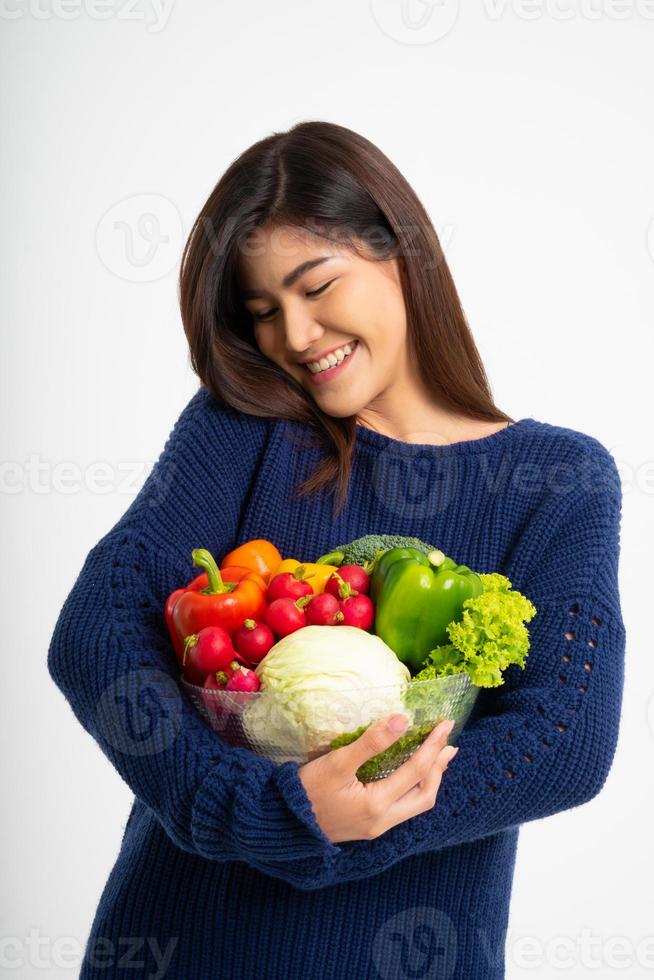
[(316, 360)]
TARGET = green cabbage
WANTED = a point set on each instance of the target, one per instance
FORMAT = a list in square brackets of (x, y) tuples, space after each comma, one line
[(319, 682)]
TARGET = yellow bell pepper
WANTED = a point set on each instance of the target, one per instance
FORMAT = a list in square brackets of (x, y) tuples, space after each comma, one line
[(315, 575)]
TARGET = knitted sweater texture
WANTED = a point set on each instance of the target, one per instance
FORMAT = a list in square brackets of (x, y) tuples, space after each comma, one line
[(223, 871)]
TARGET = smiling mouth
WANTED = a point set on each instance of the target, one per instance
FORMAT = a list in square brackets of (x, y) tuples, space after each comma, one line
[(331, 361)]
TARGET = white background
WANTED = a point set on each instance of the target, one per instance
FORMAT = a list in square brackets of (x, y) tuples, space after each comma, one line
[(526, 130)]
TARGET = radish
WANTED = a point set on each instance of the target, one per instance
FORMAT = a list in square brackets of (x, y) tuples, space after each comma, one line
[(287, 586), (284, 616), (216, 705), (253, 640), (243, 679), (348, 580), (208, 650), (324, 610), (358, 610)]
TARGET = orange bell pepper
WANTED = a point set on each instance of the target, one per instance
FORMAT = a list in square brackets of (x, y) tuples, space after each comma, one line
[(257, 555)]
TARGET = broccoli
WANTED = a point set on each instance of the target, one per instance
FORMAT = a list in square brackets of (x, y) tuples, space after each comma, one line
[(363, 551)]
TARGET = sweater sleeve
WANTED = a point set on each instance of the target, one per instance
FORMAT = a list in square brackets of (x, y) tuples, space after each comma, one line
[(111, 657), (547, 739)]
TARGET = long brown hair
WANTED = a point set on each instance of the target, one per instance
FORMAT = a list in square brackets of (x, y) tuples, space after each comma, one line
[(329, 180)]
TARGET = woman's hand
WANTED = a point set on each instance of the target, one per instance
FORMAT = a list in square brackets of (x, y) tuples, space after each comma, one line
[(347, 809)]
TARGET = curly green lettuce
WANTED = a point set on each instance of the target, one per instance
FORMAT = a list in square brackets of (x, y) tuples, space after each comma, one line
[(490, 636)]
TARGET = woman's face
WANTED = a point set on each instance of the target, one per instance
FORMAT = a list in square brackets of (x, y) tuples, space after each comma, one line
[(308, 297)]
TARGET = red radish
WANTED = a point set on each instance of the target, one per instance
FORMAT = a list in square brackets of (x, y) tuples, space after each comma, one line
[(208, 650), (358, 610), (215, 704), (284, 616), (217, 681), (288, 585), (324, 610), (348, 580), (253, 640), (243, 679)]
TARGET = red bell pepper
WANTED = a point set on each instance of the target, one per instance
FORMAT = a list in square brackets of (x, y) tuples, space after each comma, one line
[(209, 600)]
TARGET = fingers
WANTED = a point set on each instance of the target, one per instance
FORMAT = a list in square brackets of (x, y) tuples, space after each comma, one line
[(374, 740), (418, 766)]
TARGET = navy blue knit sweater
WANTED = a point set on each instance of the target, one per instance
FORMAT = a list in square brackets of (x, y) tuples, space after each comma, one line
[(223, 871)]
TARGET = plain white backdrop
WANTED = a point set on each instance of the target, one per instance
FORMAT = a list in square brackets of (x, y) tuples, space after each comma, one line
[(526, 130)]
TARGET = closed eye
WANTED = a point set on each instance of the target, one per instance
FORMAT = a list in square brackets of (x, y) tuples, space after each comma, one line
[(314, 292)]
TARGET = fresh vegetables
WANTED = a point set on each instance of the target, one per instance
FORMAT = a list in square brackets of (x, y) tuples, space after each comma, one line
[(225, 604), (288, 585), (209, 650), (315, 574), (263, 624), (243, 679), (253, 640), (284, 616), (417, 596), (325, 684), (347, 581), (363, 551), (257, 555), (324, 610), (490, 636)]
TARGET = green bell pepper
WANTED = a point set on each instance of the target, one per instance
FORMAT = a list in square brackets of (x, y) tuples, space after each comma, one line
[(416, 597)]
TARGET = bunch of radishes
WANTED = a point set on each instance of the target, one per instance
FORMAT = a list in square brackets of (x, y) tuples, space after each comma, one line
[(292, 603), (227, 661)]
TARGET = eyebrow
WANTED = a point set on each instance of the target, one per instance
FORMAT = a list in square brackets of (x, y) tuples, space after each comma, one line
[(290, 277)]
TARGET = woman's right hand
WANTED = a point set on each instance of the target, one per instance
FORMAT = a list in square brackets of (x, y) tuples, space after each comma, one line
[(347, 809)]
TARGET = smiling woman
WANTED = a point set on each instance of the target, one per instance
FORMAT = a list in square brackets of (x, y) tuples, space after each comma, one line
[(315, 296), (322, 296)]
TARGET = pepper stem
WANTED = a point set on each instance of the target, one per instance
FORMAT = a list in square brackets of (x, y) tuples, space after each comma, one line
[(204, 559), (436, 557), (333, 558)]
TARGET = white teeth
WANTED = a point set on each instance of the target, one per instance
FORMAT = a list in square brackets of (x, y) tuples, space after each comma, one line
[(333, 358)]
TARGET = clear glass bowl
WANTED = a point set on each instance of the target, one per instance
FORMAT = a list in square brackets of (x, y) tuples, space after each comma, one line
[(272, 724)]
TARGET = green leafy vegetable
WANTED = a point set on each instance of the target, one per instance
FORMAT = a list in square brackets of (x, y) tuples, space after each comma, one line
[(390, 758), (490, 636)]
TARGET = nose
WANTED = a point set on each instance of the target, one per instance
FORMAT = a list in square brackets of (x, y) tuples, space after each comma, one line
[(301, 331)]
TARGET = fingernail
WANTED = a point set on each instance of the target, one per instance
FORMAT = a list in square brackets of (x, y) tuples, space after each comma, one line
[(397, 723), (447, 728)]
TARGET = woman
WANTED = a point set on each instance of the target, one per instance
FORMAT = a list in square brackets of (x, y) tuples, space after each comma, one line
[(312, 242)]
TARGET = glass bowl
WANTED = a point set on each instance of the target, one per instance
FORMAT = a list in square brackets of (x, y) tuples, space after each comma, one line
[(273, 724)]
